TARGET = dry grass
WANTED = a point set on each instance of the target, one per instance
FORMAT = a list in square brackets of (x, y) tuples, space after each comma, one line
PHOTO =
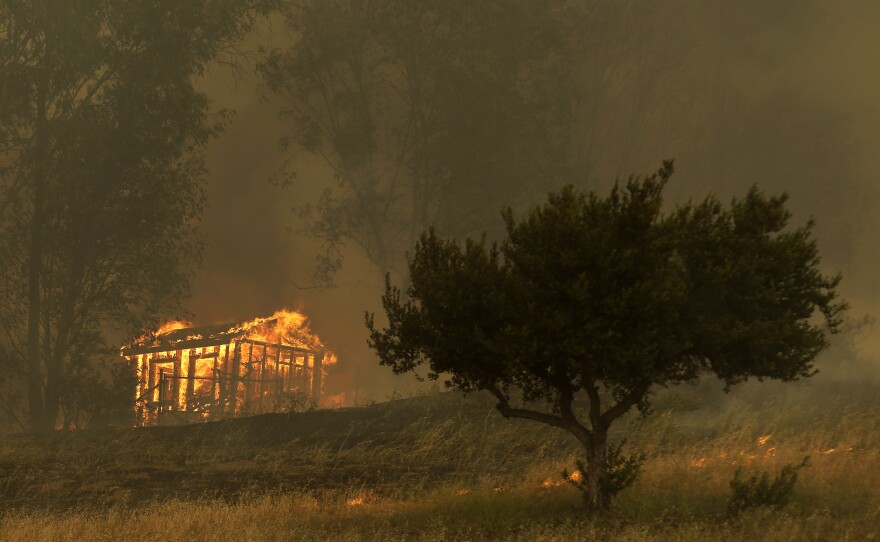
[(439, 468)]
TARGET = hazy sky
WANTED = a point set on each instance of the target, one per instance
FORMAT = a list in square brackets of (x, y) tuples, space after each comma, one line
[(251, 258)]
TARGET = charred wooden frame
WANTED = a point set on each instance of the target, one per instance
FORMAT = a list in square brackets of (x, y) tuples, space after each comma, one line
[(216, 372)]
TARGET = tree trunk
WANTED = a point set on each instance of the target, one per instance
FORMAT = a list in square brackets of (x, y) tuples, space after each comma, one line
[(52, 397), (596, 496), (34, 372), (35, 264)]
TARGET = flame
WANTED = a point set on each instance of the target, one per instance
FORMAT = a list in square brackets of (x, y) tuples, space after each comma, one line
[(173, 325), (551, 482), (244, 369), (361, 499), (762, 440), (285, 327), (698, 463)]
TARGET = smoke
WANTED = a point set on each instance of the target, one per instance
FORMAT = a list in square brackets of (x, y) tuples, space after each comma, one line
[(784, 98)]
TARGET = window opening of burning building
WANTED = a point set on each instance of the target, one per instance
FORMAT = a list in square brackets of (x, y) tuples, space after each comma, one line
[(190, 374)]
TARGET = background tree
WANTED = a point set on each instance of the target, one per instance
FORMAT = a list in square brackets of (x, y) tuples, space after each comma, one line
[(101, 169), (426, 113), (591, 301)]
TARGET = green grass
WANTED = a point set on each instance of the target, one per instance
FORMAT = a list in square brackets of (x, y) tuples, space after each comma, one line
[(440, 467)]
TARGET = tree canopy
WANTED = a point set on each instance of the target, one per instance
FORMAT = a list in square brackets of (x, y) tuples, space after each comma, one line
[(425, 113), (101, 173), (591, 301)]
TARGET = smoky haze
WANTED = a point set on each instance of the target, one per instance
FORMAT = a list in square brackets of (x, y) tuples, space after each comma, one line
[(782, 97)]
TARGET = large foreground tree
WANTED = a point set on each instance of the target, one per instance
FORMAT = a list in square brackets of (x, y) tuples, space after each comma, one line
[(592, 301), (102, 132)]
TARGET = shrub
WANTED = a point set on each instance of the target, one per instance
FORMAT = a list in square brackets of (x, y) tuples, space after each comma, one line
[(622, 471), (758, 491)]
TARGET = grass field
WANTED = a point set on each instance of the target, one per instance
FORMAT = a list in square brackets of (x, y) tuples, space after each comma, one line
[(439, 467)]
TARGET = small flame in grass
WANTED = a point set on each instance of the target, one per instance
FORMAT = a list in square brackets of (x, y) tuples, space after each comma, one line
[(771, 451), (573, 476), (550, 482), (462, 491), (698, 463), (828, 451), (361, 499), (762, 440)]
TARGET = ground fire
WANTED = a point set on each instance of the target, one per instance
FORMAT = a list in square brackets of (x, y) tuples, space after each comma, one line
[(189, 374)]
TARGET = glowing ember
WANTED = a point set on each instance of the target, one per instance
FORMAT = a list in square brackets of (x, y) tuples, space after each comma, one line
[(698, 463), (762, 440), (361, 499)]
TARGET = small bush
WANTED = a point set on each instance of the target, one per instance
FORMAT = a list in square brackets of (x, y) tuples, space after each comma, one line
[(623, 470), (758, 491)]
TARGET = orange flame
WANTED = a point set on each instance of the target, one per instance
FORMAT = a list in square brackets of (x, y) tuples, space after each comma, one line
[(173, 325), (361, 499), (244, 368), (285, 327)]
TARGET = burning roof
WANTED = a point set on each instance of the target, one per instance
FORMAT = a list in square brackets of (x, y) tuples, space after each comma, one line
[(288, 328)]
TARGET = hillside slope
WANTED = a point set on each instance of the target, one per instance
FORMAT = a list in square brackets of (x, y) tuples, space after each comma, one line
[(397, 447)]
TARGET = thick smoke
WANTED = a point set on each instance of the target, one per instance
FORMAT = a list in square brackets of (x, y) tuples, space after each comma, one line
[(782, 98)]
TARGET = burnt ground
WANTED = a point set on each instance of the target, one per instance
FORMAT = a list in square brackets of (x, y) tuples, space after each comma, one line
[(408, 447), (404, 445)]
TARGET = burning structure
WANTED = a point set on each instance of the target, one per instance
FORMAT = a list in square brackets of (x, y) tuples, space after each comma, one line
[(188, 374)]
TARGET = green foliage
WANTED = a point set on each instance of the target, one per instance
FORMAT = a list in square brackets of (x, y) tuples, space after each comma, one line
[(102, 133), (759, 491), (98, 394), (622, 472), (602, 298)]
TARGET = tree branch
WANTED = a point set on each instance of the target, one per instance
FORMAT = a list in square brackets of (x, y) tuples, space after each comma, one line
[(584, 435), (621, 407)]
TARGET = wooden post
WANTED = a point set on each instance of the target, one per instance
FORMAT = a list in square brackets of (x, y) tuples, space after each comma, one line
[(152, 376), (291, 367), (190, 379), (263, 378), (224, 385), (143, 372), (278, 376), (248, 378), (236, 367), (214, 382), (175, 384), (306, 379), (316, 378)]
